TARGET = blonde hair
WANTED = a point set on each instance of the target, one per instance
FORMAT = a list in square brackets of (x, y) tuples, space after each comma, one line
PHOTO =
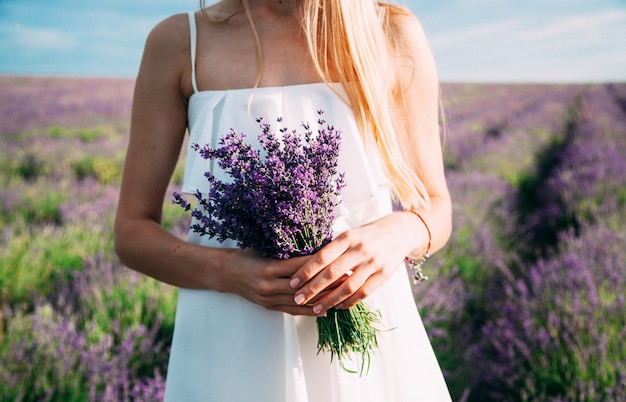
[(351, 41)]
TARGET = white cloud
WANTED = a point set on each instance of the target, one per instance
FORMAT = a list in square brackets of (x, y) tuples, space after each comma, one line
[(33, 38), (579, 25), (518, 47), (473, 33)]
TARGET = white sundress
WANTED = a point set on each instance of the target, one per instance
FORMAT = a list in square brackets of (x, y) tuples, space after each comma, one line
[(227, 349)]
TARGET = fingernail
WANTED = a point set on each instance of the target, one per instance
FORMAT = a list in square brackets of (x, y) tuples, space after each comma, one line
[(294, 282), (317, 308), (299, 299)]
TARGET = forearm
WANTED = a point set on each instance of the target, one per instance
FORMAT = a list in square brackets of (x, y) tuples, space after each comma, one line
[(143, 245)]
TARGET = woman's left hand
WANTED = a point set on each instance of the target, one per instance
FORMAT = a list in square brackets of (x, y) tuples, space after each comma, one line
[(355, 264)]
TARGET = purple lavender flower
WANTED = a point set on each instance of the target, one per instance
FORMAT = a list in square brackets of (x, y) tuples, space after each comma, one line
[(560, 331), (280, 204)]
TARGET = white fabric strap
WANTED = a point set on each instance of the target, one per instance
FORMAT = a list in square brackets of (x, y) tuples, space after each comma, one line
[(382, 13), (192, 40)]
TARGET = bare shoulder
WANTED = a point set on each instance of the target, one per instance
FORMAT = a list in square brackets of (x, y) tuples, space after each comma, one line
[(407, 30), (416, 64), (166, 53), (169, 35)]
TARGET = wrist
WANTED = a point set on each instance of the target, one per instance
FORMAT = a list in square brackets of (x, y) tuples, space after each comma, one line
[(428, 232), (415, 263), (221, 276), (418, 234)]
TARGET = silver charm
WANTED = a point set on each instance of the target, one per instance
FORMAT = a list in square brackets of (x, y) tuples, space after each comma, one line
[(416, 267)]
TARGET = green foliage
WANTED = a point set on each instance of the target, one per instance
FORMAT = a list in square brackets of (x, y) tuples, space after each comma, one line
[(35, 209), (450, 161), (129, 301), (177, 176), (173, 215), (34, 256), (460, 257), (26, 165), (83, 134), (105, 170)]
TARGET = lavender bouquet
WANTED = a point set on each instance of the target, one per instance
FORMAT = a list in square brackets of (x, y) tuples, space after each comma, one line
[(280, 202)]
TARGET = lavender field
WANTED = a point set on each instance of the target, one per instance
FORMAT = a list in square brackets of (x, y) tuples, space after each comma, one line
[(526, 303)]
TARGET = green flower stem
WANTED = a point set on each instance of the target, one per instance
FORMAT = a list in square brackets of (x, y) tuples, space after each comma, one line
[(347, 332)]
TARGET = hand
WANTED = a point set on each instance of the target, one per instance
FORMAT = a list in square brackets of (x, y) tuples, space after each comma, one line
[(353, 265), (264, 281)]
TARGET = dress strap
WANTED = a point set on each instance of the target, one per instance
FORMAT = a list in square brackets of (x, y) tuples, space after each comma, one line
[(192, 40), (382, 14)]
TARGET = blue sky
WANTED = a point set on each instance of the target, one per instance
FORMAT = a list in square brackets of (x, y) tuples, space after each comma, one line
[(473, 40)]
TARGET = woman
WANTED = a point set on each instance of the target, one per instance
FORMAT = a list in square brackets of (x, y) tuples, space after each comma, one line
[(245, 326)]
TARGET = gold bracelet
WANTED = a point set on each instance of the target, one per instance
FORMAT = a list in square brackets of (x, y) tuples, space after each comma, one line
[(416, 264)]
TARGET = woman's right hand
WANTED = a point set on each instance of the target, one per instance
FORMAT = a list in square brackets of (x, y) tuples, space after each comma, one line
[(264, 281)]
